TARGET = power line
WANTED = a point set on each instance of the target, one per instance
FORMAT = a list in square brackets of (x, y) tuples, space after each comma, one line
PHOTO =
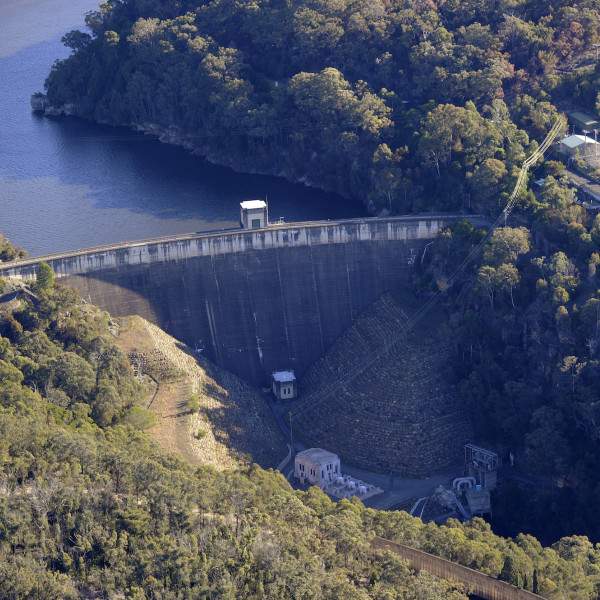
[(356, 369)]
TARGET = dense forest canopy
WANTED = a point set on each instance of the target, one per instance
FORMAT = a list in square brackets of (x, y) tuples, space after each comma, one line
[(409, 105), (89, 507)]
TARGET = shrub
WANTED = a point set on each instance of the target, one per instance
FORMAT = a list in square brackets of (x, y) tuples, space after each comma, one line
[(193, 403)]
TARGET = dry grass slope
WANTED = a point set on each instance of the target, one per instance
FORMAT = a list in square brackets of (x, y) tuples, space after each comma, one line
[(233, 425)]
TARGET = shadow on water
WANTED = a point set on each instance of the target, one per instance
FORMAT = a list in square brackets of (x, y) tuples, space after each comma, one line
[(130, 170)]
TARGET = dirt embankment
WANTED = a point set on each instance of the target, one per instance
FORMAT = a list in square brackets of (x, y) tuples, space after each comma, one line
[(233, 424)]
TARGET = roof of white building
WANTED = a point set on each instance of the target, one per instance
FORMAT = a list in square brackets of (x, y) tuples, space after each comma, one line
[(317, 456), (250, 204), (284, 376), (573, 141)]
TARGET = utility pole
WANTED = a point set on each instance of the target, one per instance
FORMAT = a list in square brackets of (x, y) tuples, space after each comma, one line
[(585, 132), (595, 142), (426, 246), (291, 435)]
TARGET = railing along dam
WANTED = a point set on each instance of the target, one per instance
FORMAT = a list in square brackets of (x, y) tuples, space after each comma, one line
[(252, 301)]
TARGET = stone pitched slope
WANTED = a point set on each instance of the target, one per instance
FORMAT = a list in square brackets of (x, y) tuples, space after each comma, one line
[(401, 414), (234, 423)]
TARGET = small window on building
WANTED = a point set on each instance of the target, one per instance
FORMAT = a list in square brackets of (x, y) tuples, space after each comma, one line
[(255, 223)]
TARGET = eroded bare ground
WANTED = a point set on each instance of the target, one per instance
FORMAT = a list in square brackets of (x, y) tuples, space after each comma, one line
[(234, 424)]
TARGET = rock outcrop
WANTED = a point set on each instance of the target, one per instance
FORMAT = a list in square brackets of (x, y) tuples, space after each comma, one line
[(40, 103)]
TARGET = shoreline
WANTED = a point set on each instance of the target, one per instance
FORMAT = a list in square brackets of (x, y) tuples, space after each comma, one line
[(176, 137)]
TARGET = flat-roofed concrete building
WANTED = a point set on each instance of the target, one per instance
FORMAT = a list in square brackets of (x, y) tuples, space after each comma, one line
[(317, 466), (583, 121), (254, 214), (284, 385)]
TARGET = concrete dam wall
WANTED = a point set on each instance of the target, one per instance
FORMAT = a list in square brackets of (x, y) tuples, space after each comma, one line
[(251, 301)]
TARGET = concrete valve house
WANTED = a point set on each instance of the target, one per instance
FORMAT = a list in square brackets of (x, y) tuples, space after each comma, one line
[(254, 214), (284, 385)]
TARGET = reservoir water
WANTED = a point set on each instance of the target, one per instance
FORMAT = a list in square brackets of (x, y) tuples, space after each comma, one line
[(68, 183)]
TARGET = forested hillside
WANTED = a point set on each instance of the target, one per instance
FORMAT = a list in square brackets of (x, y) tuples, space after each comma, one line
[(410, 106), (525, 324), (89, 507), (407, 105)]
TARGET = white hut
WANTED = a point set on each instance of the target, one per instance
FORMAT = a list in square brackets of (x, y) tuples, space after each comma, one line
[(284, 385), (578, 144), (254, 214)]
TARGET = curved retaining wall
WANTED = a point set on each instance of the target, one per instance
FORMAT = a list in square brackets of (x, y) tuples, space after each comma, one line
[(251, 301), (480, 584)]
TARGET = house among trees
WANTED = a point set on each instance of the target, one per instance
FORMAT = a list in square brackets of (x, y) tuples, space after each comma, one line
[(578, 145), (317, 466), (254, 214), (583, 121), (284, 385)]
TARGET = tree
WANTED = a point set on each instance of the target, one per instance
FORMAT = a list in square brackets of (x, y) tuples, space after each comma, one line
[(547, 447), (487, 183), (10, 373), (486, 280), (10, 251), (441, 136), (44, 277), (74, 375), (507, 277), (387, 176), (557, 194), (506, 245), (344, 527), (106, 404), (76, 40), (509, 572), (145, 32)]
